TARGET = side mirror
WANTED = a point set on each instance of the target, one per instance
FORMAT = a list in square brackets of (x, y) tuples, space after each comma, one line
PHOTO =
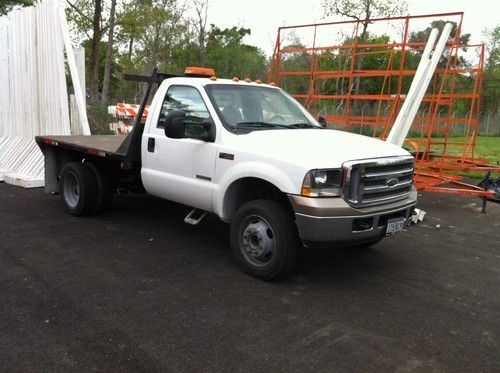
[(322, 121), (174, 124)]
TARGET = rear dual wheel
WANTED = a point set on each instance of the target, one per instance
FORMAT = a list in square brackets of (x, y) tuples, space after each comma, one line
[(105, 187), (85, 188)]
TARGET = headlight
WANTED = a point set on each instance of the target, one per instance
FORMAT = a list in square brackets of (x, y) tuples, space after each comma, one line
[(322, 183)]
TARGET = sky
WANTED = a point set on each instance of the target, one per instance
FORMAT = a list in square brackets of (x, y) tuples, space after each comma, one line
[(264, 17)]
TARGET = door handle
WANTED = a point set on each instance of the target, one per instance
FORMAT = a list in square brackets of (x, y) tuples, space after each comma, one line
[(151, 144)]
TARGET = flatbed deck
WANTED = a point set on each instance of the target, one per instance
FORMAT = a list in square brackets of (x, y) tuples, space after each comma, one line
[(100, 145)]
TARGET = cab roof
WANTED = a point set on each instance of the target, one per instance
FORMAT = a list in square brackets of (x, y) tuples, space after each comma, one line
[(203, 81)]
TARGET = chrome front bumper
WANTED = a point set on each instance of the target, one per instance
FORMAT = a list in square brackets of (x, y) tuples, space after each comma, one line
[(332, 220)]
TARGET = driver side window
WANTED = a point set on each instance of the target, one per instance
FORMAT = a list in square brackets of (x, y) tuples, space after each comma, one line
[(189, 100)]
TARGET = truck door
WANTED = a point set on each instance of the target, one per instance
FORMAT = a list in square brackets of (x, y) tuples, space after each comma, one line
[(180, 170)]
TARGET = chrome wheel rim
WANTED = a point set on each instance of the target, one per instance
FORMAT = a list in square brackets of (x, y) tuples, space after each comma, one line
[(71, 189), (257, 240)]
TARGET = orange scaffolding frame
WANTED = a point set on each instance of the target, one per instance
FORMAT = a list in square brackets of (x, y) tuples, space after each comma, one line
[(450, 106)]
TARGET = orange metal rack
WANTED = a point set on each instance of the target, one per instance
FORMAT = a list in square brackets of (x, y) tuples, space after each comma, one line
[(322, 65)]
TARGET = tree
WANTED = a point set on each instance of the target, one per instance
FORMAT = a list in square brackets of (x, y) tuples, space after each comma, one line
[(87, 16), (423, 35), (230, 57), (363, 10), (152, 31), (156, 33), (200, 24), (94, 59), (131, 26), (116, 68), (296, 61), (7, 5), (109, 53), (491, 88)]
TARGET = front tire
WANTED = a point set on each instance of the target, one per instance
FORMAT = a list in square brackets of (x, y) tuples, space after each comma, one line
[(78, 188), (264, 239)]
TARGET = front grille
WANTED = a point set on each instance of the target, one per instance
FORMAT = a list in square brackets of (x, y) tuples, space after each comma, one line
[(378, 181)]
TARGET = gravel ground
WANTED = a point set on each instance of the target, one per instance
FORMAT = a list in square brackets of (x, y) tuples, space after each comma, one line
[(136, 289)]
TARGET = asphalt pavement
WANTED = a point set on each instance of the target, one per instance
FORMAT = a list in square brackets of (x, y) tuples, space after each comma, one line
[(136, 289)]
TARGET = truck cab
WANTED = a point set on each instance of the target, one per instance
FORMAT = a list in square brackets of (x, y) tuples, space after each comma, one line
[(252, 155)]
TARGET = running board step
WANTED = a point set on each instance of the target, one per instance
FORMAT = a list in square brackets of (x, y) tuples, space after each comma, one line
[(195, 216)]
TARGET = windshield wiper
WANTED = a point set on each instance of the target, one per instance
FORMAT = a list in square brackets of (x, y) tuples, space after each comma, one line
[(257, 124), (303, 125)]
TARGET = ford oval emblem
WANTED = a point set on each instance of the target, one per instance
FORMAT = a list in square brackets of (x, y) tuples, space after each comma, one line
[(392, 182)]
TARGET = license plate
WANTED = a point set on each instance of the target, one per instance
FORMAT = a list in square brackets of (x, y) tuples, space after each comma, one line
[(395, 226)]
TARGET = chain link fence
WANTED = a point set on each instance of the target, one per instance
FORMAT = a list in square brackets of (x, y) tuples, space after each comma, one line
[(100, 120), (489, 124)]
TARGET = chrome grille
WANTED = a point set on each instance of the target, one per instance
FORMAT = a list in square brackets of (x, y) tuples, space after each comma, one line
[(378, 181)]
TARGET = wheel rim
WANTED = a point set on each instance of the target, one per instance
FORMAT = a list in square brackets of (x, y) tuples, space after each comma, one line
[(257, 240), (71, 189)]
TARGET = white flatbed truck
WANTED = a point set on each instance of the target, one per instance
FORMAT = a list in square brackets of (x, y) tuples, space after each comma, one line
[(250, 154)]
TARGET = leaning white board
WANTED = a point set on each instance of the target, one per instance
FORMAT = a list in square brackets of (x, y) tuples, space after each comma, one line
[(423, 76)]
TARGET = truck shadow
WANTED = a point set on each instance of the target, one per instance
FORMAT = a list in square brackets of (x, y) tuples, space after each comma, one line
[(164, 221)]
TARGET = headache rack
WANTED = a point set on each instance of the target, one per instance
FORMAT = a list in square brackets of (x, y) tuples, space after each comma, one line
[(130, 148), (378, 181)]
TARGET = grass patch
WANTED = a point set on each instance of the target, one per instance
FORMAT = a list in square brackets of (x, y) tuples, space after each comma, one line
[(487, 147)]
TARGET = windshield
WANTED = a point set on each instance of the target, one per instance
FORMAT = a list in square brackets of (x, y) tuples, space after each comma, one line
[(252, 107)]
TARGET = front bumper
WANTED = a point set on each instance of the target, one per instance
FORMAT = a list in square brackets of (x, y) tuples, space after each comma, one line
[(332, 220)]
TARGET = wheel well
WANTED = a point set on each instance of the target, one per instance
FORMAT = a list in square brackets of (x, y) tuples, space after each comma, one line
[(248, 189)]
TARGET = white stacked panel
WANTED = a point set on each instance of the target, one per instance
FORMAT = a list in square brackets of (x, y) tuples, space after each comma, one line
[(33, 91), (53, 99), (4, 75), (29, 171)]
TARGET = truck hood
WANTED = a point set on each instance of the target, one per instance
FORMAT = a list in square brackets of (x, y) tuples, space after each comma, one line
[(311, 148)]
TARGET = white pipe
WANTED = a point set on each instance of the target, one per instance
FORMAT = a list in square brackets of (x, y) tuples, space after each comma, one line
[(422, 87), (70, 56), (401, 120)]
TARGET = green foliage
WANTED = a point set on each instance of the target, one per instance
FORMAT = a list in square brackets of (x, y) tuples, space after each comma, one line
[(229, 56), (80, 18), (423, 35), (364, 9), (491, 88), (156, 33), (7, 5), (375, 58), (116, 68), (295, 61), (148, 31)]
